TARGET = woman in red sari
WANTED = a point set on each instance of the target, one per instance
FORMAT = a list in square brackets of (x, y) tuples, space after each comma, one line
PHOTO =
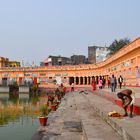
[(93, 84)]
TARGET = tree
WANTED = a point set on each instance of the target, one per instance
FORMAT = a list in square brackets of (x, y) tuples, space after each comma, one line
[(117, 45)]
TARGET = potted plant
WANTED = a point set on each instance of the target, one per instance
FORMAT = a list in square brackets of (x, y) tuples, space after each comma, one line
[(44, 115), (54, 105), (58, 94), (51, 98)]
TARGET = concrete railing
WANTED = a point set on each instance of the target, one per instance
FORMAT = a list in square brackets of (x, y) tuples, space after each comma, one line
[(4, 89), (23, 89)]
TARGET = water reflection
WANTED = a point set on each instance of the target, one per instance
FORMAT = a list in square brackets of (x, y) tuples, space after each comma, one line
[(19, 111), (14, 105)]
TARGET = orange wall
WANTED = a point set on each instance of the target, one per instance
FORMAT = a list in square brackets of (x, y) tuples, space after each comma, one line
[(125, 62)]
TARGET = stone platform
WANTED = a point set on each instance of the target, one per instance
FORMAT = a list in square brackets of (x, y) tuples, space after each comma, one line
[(111, 96), (84, 116)]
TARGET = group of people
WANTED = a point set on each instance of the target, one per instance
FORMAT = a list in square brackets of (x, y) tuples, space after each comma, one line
[(127, 96), (112, 82), (101, 83)]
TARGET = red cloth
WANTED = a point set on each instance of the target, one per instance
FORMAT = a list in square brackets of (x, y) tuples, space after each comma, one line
[(93, 85)]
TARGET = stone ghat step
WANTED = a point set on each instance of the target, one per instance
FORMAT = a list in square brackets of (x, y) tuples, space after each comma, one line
[(113, 98), (127, 127), (75, 119), (64, 123), (94, 127)]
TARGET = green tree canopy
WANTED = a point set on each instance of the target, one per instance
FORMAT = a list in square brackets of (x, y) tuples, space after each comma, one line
[(117, 45)]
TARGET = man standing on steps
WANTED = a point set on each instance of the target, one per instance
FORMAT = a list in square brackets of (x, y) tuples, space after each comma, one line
[(127, 97), (72, 87), (113, 82), (120, 81)]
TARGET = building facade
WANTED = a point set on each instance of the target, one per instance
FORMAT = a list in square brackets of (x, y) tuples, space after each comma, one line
[(126, 62), (4, 62), (92, 54), (56, 61), (13, 64), (97, 54), (78, 59), (101, 54)]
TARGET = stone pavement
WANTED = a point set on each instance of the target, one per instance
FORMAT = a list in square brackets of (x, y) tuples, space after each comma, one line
[(63, 124), (135, 89), (127, 127), (111, 96), (83, 116), (94, 127)]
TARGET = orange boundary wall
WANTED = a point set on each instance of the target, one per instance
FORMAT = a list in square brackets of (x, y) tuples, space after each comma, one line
[(125, 62)]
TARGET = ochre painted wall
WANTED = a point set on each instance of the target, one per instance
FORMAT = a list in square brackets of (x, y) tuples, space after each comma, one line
[(125, 62)]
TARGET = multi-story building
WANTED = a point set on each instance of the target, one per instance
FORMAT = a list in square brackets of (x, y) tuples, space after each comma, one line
[(59, 60), (56, 61), (101, 54), (92, 54), (78, 59), (4, 62), (97, 54), (13, 64)]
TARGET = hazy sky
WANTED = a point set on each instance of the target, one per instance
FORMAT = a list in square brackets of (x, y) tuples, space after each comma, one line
[(30, 30)]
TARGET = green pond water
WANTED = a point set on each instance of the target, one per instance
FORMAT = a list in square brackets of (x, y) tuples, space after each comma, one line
[(18, 116)]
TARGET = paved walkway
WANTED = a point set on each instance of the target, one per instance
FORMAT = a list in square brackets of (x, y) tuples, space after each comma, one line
[(135, 89), (127, 127), (111, 96), (63, 124), (94, 127), (85, 117)]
